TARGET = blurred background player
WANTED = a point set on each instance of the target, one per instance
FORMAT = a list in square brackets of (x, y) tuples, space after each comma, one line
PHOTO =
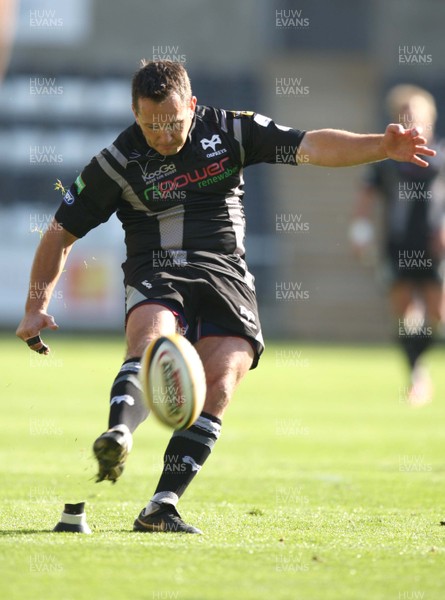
[(413, 239)]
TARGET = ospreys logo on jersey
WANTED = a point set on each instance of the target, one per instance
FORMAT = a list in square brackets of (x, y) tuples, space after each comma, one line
[(212, 143)]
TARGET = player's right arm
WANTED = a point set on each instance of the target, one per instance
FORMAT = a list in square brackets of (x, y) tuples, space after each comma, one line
[(90, 201), (47, 267)]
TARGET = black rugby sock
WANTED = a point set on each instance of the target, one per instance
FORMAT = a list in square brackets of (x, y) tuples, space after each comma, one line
[(415, 343), (127, 405), (185, 454)]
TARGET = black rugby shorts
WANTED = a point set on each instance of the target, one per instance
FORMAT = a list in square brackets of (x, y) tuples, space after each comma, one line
[(209, 293)]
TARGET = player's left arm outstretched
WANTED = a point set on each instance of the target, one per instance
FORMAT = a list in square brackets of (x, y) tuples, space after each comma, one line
[(47, 267), (337, 148)]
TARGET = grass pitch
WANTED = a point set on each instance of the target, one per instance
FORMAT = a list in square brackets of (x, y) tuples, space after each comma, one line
[(324, 485)]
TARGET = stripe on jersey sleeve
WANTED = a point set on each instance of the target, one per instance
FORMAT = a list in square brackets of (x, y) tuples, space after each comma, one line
[(238, 134), (224, 120), (117, 154), (127, 192)]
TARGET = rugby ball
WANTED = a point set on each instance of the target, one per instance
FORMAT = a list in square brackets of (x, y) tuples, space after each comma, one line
[(173, 381)]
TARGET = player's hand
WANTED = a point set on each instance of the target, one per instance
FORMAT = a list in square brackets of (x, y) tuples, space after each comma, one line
[(30, 328), (404, 145)]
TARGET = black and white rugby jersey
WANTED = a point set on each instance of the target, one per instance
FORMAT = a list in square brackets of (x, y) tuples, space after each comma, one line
[(414, 200), (189, 201)]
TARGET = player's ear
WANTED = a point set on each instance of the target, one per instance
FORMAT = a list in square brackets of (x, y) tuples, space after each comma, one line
[(193, 101), (133, 108)]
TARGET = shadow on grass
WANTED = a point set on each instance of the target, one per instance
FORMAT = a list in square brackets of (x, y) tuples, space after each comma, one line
[(6, 532), (24, 531)]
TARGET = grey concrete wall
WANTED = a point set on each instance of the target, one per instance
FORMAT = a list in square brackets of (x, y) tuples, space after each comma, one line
[(221, 36), (342, 298)]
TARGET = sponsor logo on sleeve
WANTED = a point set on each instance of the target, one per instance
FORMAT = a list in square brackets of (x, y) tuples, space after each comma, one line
[(68, 198), (80, 184)]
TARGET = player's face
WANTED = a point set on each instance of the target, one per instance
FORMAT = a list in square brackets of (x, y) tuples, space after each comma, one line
[(165, 124), (417, 113)]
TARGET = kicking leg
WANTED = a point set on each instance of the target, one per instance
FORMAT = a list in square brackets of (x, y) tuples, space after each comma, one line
[(127, 406)]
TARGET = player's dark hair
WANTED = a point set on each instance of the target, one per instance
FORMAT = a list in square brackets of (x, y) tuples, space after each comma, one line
[(157, 80)]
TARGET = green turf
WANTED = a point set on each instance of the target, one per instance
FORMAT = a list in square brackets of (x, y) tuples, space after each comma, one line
[(324, 485)]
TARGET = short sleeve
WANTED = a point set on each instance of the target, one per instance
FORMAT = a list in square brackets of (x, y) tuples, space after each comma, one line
[(263, 141), (90, 201)]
